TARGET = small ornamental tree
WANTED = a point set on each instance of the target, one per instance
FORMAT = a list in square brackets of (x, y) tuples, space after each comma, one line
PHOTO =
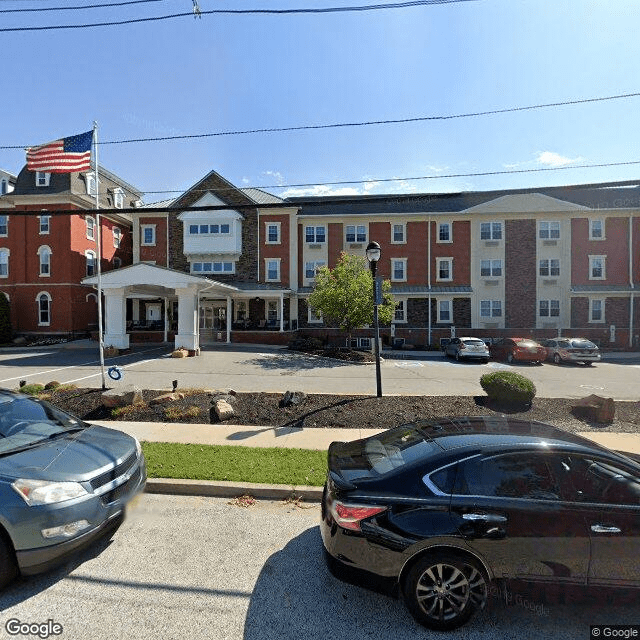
[(344, 295), (6, 330)]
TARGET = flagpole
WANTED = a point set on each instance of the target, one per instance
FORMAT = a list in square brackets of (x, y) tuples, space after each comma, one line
[(98, 253)]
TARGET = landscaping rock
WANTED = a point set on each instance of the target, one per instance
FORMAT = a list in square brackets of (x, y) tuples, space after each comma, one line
[(292, 397), (179, 353), (167, 398), (122, 397), (595, 409), (223, 410), (20, 340)]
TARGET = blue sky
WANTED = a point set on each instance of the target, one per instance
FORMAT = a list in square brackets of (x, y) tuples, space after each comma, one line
[(222, 73)]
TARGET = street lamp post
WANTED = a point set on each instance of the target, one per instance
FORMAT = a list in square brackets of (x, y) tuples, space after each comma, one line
[(373, 256)]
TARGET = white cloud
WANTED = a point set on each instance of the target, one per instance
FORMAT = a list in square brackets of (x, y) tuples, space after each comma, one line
[(245, 180), (552, 159), (319, 190), (276, 175)]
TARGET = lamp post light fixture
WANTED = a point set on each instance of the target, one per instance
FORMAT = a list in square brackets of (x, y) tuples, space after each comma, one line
[(373, 256)]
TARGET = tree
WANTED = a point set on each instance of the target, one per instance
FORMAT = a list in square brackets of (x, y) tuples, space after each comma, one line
[(344, 295), (6, 330)]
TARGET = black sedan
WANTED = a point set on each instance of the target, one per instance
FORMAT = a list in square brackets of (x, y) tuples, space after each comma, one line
[(437, 510)]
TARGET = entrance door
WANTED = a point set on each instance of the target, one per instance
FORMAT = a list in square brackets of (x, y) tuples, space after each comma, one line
[(154, 315), (213, 321)]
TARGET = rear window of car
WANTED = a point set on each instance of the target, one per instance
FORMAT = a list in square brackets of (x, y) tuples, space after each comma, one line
[(396, 448), (527, 343), (583, 344), (477, 342)]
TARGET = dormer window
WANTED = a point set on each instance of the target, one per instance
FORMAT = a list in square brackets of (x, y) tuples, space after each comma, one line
[(42, 179), (91, 184), (118, 198)]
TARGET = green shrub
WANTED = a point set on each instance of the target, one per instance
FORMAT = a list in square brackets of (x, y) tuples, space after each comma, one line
[(508, 386), (32, 389)]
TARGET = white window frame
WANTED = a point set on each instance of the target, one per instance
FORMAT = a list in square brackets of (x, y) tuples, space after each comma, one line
[(403, 261), (545, 264), (44, 224), (4, 223), (314, 233), (277, 226), (43, 251), (493, 227), (267, 262), (601, 303), (403, 311), (592, 264), (4, 261), (360, 233), (196, 229), (47, 296), (207, 267), (272, 308), (548, 228), (441, 319), (241, 306), (592, 225), (493, 266), (118, 198), (495, 309), (143, 230), (449, 227), (440, 261), (91, 183), (90, 224), (42, 178), (117, 237), (315, 265), (403, 227), (552, 308), (312, 318), (91, 260)]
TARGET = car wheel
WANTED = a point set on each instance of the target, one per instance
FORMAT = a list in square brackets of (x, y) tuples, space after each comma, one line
[(443, 591), (485, 360), (457, 356), (8, 567), (557, 359), (510, 357)]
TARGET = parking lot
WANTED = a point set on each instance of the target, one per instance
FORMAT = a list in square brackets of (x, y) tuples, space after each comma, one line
[(247, 369)]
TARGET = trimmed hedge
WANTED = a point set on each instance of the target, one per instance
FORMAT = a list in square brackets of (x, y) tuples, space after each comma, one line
[(508, 386)]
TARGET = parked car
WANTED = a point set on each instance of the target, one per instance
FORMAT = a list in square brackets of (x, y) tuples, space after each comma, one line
[(572, 350), (436, 511), (63, 483), (467, 349), (518, 350)]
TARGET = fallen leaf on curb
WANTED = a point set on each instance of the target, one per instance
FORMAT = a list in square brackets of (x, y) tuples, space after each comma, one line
[(243, 501), (296, 501)]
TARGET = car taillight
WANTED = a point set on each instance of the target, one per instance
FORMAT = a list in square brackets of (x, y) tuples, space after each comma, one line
[(349, 516), (463, 346)]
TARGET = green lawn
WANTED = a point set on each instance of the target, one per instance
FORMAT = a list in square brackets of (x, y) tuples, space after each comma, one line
[(235, 464)]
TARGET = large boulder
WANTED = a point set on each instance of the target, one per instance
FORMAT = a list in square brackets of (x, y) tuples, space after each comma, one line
[(595, 409), (167, 398), (292, 397), (122, 397), (223, 410)]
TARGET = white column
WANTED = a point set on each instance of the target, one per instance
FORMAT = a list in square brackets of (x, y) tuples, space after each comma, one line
[(281, 312), (229, 319), (166, 319), (135, 309), (187, 336), (115, 319)]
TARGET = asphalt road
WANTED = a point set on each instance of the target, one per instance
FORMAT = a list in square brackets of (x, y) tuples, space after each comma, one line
[(188, 567), (276, 370)]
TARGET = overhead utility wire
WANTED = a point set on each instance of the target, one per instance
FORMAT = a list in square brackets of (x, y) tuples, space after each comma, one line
[(369, 123), (369, 7), (85, 6)]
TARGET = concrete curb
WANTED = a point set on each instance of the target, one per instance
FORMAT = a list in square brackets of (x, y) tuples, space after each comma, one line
[(222, 489)]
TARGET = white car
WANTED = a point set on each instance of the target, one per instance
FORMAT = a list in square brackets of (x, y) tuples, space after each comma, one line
[(467, 349), (572, 350)]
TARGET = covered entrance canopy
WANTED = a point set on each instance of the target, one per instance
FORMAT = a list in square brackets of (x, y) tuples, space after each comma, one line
[(147, 281)]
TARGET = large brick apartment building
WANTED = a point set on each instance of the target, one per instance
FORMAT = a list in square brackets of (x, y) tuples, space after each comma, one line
[(222, 263)]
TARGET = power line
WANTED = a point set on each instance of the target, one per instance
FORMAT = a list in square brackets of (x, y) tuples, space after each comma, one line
[(369, 123), (86, 6), (349, 9)]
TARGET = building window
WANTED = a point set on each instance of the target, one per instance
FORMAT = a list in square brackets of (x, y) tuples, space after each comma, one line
[(148, 232), (400, 313), (4, 227), (117, 263), (597, 267), (209, 229), (3, 187), (117, 236), (549, 267), (213, 267), (399, 269), (91, 184), (314, 235), (42, 179), (118, 198), (444, 310), (549, 230), (596, 310), (272, 268), (444, 232), (45, 261), (444, 269), (356, 233), (44, 224), (4, 263), (491, 231), (596, 229), (398, 234), (272, 310), (91, 262), (241, 309), (273, 232), (44, 309), (313, 317), (490, 308), (549, 308), (91, 227), (490, 268), (311, 268)]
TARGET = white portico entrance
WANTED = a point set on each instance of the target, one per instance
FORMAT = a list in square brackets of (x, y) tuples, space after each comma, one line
[(165, 290)]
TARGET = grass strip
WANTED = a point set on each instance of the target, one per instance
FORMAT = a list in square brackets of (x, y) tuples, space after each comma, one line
[(235, 464)]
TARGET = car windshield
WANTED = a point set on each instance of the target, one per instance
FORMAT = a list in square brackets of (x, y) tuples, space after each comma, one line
[(473, 341), (26, 421), (581, 343)]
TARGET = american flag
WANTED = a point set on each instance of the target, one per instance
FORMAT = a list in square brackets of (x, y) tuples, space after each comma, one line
[(62, 156)]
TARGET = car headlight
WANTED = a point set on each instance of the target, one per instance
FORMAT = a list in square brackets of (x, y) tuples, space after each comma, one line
[(37, 492)]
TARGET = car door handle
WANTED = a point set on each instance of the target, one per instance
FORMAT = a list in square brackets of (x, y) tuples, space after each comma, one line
[(599, 528), (483, 517)]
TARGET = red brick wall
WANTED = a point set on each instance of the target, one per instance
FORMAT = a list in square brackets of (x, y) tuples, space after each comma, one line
[(459, 250), (335, 244), (276, 250), (158, 252)]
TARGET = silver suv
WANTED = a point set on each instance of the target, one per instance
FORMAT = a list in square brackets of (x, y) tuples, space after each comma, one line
[(572, 350), (467, 349)]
